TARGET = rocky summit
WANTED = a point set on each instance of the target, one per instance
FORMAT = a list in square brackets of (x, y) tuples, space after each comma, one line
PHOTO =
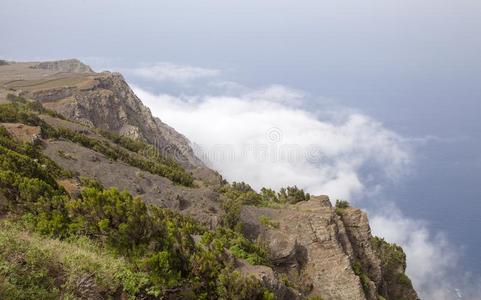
[(101, 200)]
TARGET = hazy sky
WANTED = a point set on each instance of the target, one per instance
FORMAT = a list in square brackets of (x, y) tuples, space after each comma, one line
[(423, 54), (399, 77)]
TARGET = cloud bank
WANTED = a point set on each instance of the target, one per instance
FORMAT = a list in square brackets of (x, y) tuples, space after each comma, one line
[(265, 138), (173, 72), (271, 137), (430, 256)]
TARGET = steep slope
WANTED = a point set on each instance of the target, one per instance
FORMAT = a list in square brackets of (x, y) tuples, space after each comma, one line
[(100, 100), (91, 125)]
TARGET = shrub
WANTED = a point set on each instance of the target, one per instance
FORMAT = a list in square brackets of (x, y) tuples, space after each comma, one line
[(232, 285), (126, 142), (404, 279), (266, 221), (340, 206), (224, 238), (35, 106), (231, 217), (393, 263), (244, 194), (292, 195), (357, 268), (269, 195)]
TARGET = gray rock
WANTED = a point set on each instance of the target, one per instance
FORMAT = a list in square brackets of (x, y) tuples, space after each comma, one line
[(67, 66)]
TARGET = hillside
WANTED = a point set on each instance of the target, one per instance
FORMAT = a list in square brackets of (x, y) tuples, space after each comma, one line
[(99, 199)]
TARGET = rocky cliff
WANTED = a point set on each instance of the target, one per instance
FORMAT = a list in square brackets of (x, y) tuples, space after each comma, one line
[(321, 248), (101, 100), (313, 250)]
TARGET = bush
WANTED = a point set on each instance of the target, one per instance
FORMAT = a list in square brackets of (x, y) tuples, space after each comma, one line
[(238, 245), (232, 285), (232, 209), (292, 195), (266, 221), (393, 263), (32, 106), (340, 206), (404, 279), (126, 142), (243, 193), (269, 196), (357, 268)]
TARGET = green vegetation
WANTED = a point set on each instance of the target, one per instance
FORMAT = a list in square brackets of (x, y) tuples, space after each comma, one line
[(357, 268), (392, 255), (393, 262), (34, 106), (169, 169), (240, 193), (238, 245), (126, 142), (404, 279), (149, 251), (292, 195), (36, 267), (266, 221), (340, 206), (23, 111)]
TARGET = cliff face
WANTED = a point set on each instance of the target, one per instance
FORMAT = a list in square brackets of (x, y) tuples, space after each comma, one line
[(321, 248), (101, 100), (106, 101), (314, 249)]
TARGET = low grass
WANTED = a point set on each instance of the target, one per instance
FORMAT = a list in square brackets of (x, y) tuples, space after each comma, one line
[(36, 267)]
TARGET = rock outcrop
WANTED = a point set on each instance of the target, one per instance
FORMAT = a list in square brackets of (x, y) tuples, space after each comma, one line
[(64, 66), (321, 249)]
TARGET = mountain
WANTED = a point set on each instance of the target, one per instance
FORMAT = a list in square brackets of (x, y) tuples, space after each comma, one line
[(99, 199)]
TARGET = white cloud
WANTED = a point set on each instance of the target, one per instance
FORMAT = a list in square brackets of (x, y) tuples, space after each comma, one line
[(276, 93), (432, 259), (264, 138), (430, 256), (173, 73)]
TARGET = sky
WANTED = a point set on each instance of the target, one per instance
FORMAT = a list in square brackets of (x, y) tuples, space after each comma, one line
[(376, 102)]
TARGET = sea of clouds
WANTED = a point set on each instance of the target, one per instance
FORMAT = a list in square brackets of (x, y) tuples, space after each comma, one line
[(276, 136)]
